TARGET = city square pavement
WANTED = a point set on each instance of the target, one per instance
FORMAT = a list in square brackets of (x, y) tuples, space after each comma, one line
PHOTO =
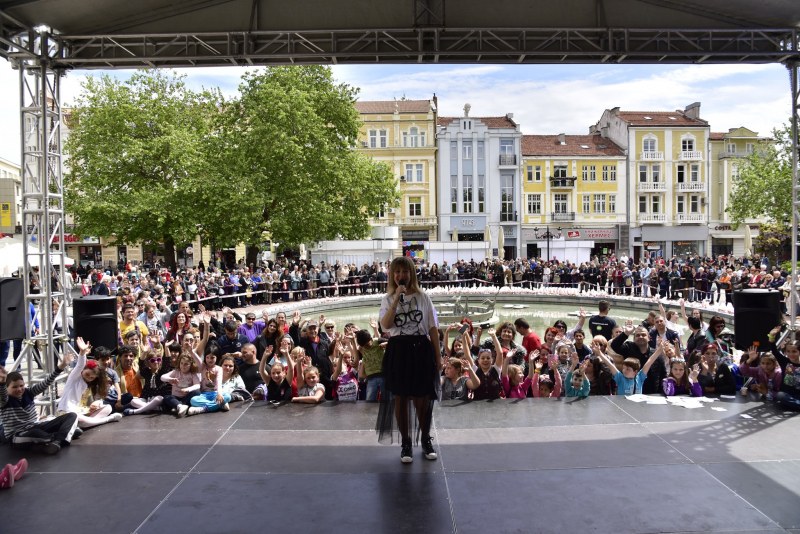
[(602, 464)]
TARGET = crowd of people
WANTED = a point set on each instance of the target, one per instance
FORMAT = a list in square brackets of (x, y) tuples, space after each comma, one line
[(185, 357), (691, 278)]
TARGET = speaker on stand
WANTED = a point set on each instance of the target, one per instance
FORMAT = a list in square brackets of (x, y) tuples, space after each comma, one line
[(95, 319), (755, 313)]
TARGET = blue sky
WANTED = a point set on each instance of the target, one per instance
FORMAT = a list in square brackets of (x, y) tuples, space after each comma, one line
[(545, 99)]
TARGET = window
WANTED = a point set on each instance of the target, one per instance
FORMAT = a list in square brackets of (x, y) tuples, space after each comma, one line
[(735, 171), (609, 173), (506, 146), (681, 173), (414, 206), (694, 203), (453, 194), (649, 144), (409, 172), (506, 197), (749, 148), (529, 173), (695, 172), (466, 192), (419, 175), (612, 203), (599, 203), (585, 173), (687, 144), (656, 204), (642, 204), (656, 172), (382, 138), (467, 150), (453, 150), (680, 204), (480, 150), (585, 203), (537, 173), (373, 138), (534, 203), (642, 173), (731, 148), (481, 193), (382, 211), (560, 203), (413, 138), (559, 171)]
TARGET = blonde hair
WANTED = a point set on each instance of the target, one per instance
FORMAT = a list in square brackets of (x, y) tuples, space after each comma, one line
[(402, 262)]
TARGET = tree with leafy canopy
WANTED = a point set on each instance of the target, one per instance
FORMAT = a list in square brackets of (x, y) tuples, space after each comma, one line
[(138, 160), (764, 189), (287, 149)]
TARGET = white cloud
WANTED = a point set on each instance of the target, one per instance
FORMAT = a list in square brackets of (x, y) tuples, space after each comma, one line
[(543, 98)]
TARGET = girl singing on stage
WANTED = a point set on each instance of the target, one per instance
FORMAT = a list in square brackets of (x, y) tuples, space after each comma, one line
[(411, 366)]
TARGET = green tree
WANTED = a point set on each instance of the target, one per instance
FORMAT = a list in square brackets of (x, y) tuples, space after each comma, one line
[(138, 165), (764, 185), (286, 146)]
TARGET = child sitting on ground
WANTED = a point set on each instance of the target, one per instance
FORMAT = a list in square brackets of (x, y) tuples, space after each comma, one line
[(631, 379), (311, 391), (768, 374), (21, 424), (278, 383)]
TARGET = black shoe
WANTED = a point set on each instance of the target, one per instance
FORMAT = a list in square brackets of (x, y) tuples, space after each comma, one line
[(427, 449), (48, 448), (405, 452), (77, 434)]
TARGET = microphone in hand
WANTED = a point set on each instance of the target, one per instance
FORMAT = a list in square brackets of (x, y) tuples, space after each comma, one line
[(402, 286)]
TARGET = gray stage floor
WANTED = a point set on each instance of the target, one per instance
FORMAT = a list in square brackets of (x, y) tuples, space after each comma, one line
[(602, 464)]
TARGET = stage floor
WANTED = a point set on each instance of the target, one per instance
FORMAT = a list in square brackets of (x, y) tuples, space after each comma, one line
[(603, 464)]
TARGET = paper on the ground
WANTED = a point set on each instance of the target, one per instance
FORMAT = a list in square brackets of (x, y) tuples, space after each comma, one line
[(685, 402), (637, 397)]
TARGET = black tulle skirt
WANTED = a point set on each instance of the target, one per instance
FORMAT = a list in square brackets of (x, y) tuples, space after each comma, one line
[(409, 370)]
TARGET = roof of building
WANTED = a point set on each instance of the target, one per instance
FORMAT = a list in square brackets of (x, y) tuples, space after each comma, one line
[(717, 136), (659, 118), (389, 106), (574, 145), (491, 122)]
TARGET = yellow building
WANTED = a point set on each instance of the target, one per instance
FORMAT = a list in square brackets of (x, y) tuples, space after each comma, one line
[(402, 134), (573, 195), (668, 169), (728, 149), (10, 197)]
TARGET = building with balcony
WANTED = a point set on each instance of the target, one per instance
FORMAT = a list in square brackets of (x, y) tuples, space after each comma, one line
[(479, 181), (402, 134), (728, 149), (10, 197), (668, 169), (573, 196)]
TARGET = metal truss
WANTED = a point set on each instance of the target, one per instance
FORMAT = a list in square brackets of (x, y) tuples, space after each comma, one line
[(42, 202), (425, 43), (794, 67)]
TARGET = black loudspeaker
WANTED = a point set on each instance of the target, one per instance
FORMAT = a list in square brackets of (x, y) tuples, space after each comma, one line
[(95, 319), (755, 313), (12, 308)]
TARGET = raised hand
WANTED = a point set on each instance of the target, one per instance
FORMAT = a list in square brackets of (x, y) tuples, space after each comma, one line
[(695, 372), (296, 317), (752, 353), (628, 328), (83, 346)]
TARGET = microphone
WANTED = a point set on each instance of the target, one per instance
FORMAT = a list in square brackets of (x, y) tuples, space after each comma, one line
[(402, 283)]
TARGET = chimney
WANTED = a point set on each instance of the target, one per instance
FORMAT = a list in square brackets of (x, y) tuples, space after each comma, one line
[(435, 102), (692, 110), (562, 139), (615, 110)]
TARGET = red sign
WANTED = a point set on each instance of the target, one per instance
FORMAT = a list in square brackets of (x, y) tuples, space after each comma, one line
[(69, 238), (573, 234)]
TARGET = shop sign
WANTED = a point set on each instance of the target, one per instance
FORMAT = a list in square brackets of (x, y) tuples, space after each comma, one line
[(597, 234), (72, 238)]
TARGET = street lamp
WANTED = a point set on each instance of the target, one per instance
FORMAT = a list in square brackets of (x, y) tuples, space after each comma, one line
[(548, 235)]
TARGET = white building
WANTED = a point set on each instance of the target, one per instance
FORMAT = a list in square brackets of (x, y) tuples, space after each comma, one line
[(10, 197), (479, 181)]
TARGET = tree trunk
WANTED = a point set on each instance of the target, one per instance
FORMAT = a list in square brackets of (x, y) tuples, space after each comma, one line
[(169, 253), (251, 255)]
